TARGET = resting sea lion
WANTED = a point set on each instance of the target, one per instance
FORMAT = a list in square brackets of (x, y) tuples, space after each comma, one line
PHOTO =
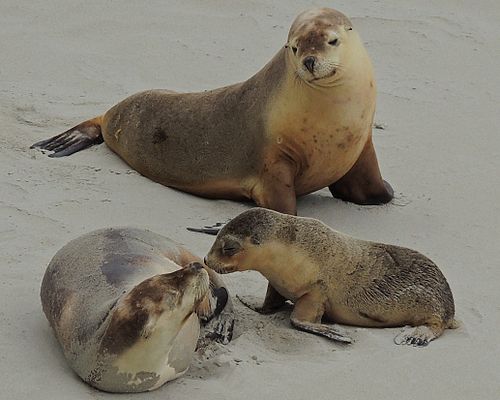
[(330, 274), (300, 124), (123, 303)]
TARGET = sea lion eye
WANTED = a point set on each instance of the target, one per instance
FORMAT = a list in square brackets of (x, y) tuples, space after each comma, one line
[(230, 248), (255, 240), (294, 49), (229, 251), (333, 42)]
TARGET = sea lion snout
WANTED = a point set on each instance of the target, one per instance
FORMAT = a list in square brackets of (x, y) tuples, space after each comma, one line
[(195, 266), (192, 269), (196, 281), (309, 62), (224, 255), (238, 242), (220, 260)]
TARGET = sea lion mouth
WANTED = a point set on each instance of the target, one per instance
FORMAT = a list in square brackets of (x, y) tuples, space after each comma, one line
[(315, 76), (225, 270), (329, 75), (194, 281)]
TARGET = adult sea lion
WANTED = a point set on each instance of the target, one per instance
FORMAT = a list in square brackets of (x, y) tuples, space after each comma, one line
[(125, 304), (333, 275), (300, 124)]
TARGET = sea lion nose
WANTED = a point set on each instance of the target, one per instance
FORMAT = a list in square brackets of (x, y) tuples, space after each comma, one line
[(309, 62), (196, 266)]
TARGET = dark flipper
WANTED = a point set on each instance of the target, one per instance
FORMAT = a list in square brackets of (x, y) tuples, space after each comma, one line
[(261, 310), (363, 184), (209, 229), (218, 324), (84, 135), (273, 302)]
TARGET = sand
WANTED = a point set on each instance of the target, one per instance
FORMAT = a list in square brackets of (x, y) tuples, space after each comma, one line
[(438, 100)]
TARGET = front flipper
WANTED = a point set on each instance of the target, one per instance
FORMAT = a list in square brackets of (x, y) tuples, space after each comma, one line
[(216, 311), (272, 303), (276, 192), (363, 183), (84, 135), (220, 328), (307, 314)]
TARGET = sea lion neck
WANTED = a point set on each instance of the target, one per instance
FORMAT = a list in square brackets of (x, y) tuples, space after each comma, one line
[(268, 78)]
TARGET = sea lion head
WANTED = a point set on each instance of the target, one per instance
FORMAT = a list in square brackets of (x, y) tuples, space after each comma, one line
[(318, 44), (238, 244), (174, 295), (151, 332)]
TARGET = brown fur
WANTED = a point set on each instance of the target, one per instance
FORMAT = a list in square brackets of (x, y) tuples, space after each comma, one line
[(280, 134), (105, 293), (143, 304), (329, 274)]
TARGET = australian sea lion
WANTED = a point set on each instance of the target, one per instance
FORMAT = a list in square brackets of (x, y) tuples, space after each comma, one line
[(300, 124), (123, 303), (329, 274)]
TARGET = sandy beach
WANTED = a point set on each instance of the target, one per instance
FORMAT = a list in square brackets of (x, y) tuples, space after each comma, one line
[(437, 67)]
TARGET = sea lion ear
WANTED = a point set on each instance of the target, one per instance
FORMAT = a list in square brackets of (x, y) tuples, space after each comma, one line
[(255, 239)]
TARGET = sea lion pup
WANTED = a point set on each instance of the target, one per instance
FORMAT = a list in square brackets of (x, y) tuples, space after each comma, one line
[(300, 124), (123, 304), (333, 275)]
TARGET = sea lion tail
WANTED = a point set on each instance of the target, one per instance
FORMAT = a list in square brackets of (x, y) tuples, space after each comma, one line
[(79, 137)]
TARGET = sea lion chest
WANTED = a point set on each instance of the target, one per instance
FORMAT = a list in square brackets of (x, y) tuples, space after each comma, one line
[(322, 131)]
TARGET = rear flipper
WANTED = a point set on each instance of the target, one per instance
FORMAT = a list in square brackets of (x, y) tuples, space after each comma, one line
[(418, 336), (209, 229), (80, 137)]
